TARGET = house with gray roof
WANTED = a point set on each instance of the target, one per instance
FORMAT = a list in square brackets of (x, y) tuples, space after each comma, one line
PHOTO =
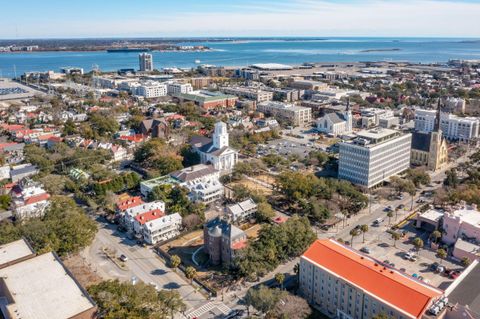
[(242, 211)]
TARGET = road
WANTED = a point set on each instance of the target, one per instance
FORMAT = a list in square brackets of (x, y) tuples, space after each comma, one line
[(143, 263)]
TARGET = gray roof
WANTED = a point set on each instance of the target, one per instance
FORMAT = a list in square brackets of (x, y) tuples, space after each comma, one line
[(421, 141), (30, 169), (239, 208), (336, 117), (228, 230), (467, 291), (193, 172)]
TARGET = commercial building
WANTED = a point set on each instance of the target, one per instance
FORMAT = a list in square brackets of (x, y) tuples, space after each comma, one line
[(373, 156), (343, 283), (216, 151), (453, 127), (162, 228), (200, 83), (222, 240), (151, 89), (309, 85), (145, 61), (39, 287), (293, 115), (179, 88), (208, 100), (202, 181), (372, 117), (249, 93)]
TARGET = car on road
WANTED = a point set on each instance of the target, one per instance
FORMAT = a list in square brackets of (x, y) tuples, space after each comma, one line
[(440, 269), (401, 206), (234, 314), (365, 250), (388, 209), (399, 197), (123, 258), (434, 266), (454, 274), (377, 222)]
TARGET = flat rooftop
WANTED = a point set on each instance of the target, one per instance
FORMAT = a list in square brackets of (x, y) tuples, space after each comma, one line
[(10, 90), (374, 137), (14, 250), (468, 215), (272, 66), (43, 289), (406, 294), (467, 291)]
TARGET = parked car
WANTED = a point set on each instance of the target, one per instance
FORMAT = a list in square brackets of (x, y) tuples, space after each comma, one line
[(434, 266), (454, 274), (123, 258), (410, 256), (440, 269), (401, 206), (365, 250)]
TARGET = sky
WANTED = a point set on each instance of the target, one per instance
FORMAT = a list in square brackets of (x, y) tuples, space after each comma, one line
[(228, 18)]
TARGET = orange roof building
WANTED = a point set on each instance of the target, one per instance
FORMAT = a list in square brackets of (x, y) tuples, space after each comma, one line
[(343, 283), (146, 217), (126, 202)]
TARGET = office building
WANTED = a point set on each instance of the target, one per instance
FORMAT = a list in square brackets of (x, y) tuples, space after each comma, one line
[(373, 156), (343, 283), (287, 113), (39, 286), (454, 127), (151, 89), (249, 93), (179, 88), (145, 61), (208, 100)]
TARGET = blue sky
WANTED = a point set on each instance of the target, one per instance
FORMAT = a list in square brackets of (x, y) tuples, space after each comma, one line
[(167, 18)]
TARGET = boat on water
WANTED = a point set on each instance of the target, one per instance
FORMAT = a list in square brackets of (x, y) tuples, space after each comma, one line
[(127, 49), (198, 61)]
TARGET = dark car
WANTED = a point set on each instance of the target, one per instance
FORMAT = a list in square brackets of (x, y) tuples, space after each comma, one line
[(434, 266)]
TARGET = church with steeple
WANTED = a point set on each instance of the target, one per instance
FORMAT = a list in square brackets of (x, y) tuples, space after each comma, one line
[(336, 123), (430, 149), (216, 151)]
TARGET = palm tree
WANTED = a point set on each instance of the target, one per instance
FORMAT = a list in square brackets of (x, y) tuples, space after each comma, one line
[(191, 273), (436, 235), (389, 215), (442, 254), (354, 233), (466, 261), (364, 229), (280, 278), (175, 261), (296, 270), (418, 243), (395, 236)]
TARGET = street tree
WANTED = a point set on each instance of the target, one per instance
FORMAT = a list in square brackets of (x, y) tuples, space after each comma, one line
[(354, 233), (291, 307), (466, 261), (191, 273), (395, 236), (364, 229), (175, 261), (280, 278), (418, 243), (442, 254), (436, 235), (389, 215)]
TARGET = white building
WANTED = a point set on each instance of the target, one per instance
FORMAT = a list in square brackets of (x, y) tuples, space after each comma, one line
[(202, 181), (249, 93), (242, 211), (216, 151), (29, 200), (336, 123), (452, 126), (145, 61), (294, 115), (374, 156), (162, 228), (151, 89), (179, 88), (131, 213), (372, 117)]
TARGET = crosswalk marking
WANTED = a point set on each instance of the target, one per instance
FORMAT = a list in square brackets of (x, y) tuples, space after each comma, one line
[(207, 307)]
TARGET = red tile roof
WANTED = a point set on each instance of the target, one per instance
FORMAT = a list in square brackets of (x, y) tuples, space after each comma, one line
[(129, 202), (392, 287), (149, 216), (239, 245), (37, 198), (3, 145)]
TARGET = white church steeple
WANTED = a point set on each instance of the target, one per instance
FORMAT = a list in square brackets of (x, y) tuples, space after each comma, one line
[(220, 136)]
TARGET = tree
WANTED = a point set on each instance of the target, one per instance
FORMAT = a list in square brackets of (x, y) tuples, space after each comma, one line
[(158, 157), (5, 201), (280, 278), (354, 233), (395, 236), (436, 235), (451, 179), (389, 215), (418, 243), (364, 230), (190, 273), (442, 254), (466, 261), (190, 157), (264, 212), (117, 299), (175, 261), (291, 307), (263, 298)]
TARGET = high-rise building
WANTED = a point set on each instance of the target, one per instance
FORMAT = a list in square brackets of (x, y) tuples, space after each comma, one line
[(374, 156), (343, 283), (146, 62)]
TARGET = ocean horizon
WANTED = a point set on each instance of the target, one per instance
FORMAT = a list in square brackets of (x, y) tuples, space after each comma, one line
[(243, 51)]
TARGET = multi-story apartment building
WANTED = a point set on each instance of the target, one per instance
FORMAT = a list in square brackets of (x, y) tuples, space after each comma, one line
[(249, 93), (294, 115), (179, 88), (29, 199), (202, 181), (343, 283), (452, 126), (374, 156), (145, 61), (132, 212), (162, 228), (151, 89)]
